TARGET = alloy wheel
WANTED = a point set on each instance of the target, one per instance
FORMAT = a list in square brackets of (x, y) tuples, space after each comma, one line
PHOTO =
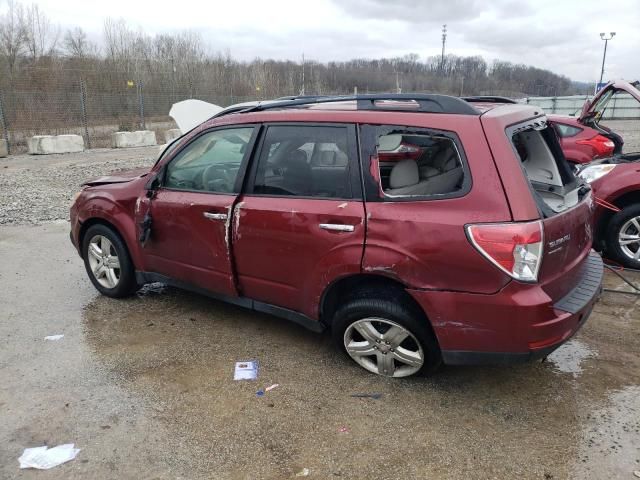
[(104, 261), (384, 347), (629, 238)]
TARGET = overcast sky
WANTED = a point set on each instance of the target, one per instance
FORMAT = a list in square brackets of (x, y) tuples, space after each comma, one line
[(562, 36)]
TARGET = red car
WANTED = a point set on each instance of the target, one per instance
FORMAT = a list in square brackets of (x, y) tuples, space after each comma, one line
[(616, 185), (469, 253), (582, 144)]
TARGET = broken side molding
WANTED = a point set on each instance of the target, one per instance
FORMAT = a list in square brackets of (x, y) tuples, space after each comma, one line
[(291, 315)]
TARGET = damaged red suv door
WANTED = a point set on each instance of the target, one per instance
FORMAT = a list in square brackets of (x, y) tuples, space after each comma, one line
[(301, 221), (191, 210)]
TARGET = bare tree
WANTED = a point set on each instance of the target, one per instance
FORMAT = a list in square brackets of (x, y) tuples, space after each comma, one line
[(41, 36), (12, 35), (76, 44)]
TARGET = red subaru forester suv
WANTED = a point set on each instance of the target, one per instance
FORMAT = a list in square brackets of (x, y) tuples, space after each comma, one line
[(475, 250)]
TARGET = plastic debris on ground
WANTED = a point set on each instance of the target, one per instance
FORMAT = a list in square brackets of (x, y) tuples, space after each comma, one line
[(261, 392), (44, 458), (344, 430), (375, 396), (54, 337), (246, 370), (637, 473), (303, 473)]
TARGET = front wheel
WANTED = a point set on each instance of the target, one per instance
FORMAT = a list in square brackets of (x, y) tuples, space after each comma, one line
[(622, 240), (385, 337), (107, 262)]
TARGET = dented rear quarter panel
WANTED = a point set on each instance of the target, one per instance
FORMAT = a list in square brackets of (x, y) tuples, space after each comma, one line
[(423, 243)]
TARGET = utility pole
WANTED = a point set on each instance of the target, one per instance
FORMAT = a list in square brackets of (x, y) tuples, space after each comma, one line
[(606, 39), (302, 91), (398, 89), (444, 41)]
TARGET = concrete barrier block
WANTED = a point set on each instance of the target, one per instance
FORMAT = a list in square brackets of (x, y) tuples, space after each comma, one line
[(50, 144), (4, 150), (171, 134), (141, 138)]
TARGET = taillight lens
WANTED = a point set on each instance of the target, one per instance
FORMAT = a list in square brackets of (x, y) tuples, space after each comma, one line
[(515, 248), (601, 145)]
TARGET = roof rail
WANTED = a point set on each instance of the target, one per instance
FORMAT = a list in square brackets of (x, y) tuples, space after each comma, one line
[(427, 103), (489, 99)]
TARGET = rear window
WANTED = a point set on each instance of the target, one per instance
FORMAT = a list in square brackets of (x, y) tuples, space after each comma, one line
[(411, 164), (544, 164), (565, 131)]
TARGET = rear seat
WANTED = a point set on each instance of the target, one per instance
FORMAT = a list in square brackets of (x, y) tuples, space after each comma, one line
[(442, 175)]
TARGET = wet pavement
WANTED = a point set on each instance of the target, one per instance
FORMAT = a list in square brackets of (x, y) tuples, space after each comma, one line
[(144, 387)]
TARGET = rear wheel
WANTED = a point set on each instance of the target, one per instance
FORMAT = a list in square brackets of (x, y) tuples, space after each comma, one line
[(385, 336), (107, 262), (623, 237)]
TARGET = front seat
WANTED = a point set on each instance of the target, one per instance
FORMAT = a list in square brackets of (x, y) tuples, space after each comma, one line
[(296, 177)]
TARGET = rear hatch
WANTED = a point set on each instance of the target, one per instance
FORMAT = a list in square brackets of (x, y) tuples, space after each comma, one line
[(564, 202), (542, 192)]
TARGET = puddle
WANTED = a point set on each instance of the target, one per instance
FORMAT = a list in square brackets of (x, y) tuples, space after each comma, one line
[(570, 356), (610, 446)]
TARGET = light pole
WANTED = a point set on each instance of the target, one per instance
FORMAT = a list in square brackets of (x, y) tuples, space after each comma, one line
[(603, 36)]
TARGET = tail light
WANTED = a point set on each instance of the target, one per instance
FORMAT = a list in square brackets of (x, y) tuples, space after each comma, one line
[(515, 248), (601, 145)]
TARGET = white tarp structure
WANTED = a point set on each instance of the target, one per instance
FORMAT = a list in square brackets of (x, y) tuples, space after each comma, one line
[(191, 113)]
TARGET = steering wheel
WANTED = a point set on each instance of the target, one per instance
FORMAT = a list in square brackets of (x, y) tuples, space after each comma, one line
[(212, 175)]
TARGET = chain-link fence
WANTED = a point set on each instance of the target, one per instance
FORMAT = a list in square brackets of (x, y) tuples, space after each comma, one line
[(88, 106)]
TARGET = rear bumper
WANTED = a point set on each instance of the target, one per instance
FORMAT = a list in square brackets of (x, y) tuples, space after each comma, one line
[(517, 324)]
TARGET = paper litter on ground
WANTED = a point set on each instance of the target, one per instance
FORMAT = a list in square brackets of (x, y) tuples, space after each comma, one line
[(54, 337), (44, 458), (246, 370)]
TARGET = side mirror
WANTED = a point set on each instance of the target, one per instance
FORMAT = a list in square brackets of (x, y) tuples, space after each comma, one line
[(154, 183)]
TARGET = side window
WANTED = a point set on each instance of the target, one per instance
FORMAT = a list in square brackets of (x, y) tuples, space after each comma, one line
[(304, 161), (210, 163), (567, 130), (412, 164)]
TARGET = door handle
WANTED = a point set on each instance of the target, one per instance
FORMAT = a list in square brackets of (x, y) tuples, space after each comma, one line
[(215, 216), (336, 227)]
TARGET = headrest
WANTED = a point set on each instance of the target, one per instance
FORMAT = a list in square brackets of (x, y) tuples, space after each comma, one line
[(388, 143), (297, 157)]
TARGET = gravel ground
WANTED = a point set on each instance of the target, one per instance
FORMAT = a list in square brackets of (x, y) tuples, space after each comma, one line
[(36, 189)]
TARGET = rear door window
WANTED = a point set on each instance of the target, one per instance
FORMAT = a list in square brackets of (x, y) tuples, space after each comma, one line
[(305, 161), (415, 164)]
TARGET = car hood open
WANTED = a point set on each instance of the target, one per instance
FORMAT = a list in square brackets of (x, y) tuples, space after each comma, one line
[(615, 86), (118, 177), (191, 113)]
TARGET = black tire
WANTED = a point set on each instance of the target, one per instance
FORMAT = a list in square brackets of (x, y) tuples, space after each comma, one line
[(126, 284), (612, 233), (393, 305)]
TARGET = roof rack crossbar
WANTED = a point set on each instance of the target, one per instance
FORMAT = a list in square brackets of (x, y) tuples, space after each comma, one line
[(489, 99), (426, 103)]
